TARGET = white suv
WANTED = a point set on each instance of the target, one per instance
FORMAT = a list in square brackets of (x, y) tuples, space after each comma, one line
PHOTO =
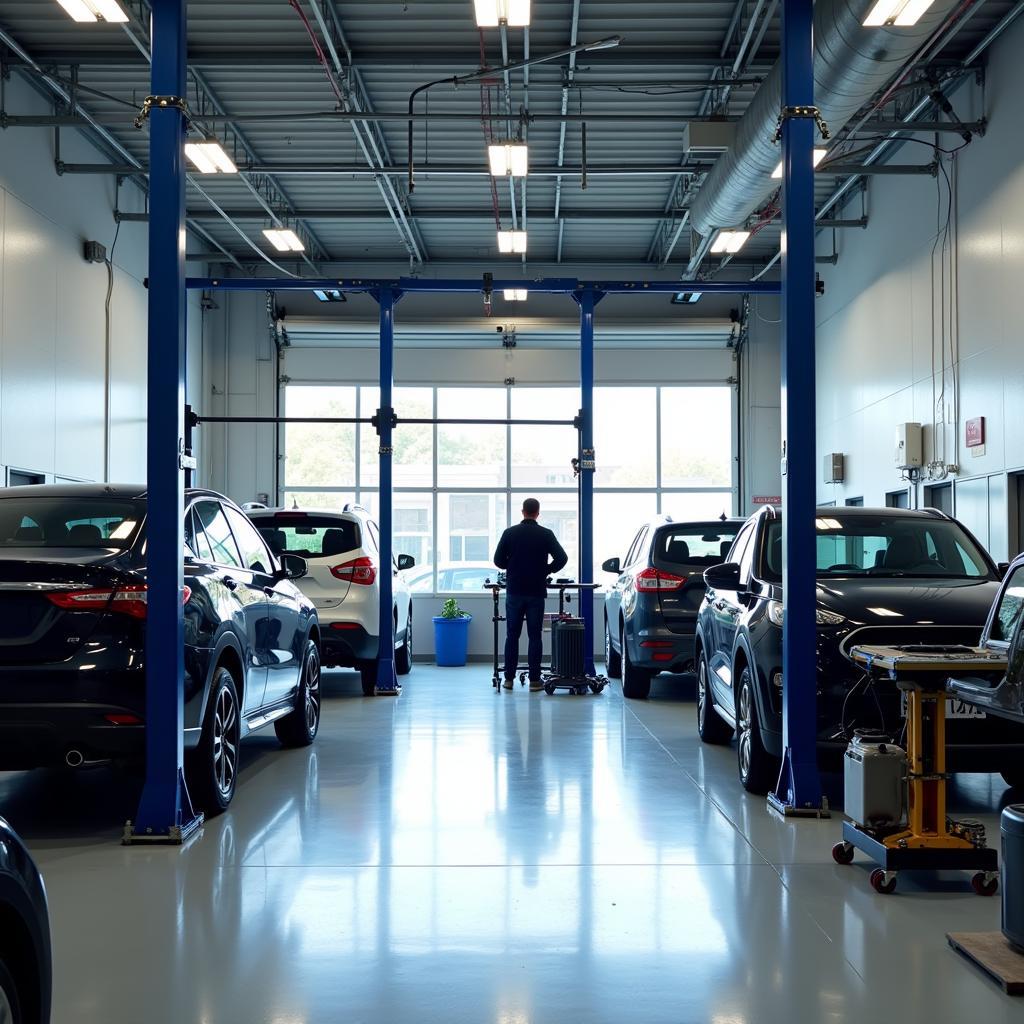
[(342, 551)]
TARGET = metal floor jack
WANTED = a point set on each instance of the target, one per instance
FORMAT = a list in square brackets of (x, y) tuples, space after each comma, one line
[(928, 840)]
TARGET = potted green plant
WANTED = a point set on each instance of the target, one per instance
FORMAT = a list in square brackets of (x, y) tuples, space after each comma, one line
[(451, 634)]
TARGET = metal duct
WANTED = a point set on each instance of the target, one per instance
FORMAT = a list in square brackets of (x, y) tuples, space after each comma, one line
[(851, 64)]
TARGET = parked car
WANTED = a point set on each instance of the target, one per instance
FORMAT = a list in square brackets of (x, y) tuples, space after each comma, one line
[(72, 634), (25, 964), (453, 578), (342, 552), (884, 576), (1001, 693), (650, 612)]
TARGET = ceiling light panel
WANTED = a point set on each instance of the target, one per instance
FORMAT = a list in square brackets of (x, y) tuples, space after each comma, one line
[(209, 158), (85, 11), (508, 159), (896, 12), (512, 241), (284, 239), (819, 155), (492, 13)]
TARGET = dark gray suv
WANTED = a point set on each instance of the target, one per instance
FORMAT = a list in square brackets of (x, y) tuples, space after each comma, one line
[(650, 613)]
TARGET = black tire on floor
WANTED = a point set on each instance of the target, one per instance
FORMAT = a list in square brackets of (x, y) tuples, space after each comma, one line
[(299, 729), (758, 769), (213, 765), (10, 1004), (368, 678), (403, 656), (636, 682), (612, 660), (711, 727)]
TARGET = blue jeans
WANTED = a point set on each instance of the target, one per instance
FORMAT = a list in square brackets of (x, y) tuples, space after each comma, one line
[(516, 610)]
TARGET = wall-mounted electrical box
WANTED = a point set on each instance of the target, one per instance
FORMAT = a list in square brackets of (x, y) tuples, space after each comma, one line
[(909, 453), (835, 468)]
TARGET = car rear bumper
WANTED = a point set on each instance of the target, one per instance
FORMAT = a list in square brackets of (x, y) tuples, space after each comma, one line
[(41, 735), (345, 644), (658, 649)]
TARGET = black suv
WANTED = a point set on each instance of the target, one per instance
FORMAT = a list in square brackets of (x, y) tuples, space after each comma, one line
[(650, 613), (884, 576)]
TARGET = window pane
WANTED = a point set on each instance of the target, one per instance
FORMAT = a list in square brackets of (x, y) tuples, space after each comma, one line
[(319, 454), (468, 528), (542, 456), (413, 458), (1011, 607), (317, 499), (471, 456), (617, 518), (560, 514), (625, 437), (696, 437), (412, 534), (697, 505)]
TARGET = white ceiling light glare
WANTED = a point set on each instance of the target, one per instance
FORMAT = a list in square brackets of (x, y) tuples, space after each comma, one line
[(515, 294), (819, 155), (85, 11), (284, 239), (508, 159), (896, 12), (730, 241), (209, 157), (512, 241), (492, 13)]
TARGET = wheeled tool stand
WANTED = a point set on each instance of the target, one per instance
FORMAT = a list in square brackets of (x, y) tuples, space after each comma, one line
[(928, 840)]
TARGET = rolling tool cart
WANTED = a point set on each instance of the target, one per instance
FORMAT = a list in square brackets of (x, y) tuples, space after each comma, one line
[(912, 832)]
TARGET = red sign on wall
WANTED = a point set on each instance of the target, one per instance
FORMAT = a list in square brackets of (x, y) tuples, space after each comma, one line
[(976, 432), (766, 499)]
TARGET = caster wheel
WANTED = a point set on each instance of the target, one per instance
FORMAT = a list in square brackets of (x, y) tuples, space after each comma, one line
[(842, 853), (522, 678), (549, 690), (985, 883), (596, 687), (881, 883)]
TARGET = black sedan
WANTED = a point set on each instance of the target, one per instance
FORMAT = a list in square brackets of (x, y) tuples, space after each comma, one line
[(72, 634), (884, 576), (25, 966)]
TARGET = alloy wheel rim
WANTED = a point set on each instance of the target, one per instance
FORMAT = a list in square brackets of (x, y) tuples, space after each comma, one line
[(313, 694), (225, 742), (702, 696), (6, 1010), (744, 729), (607, 645)]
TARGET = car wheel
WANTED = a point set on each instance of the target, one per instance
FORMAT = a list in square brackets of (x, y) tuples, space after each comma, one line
[(403, 656), (636, 682), (213, 770), (612, 660), (299, 729), (711, 727), (368, 677), (10, 1007), (758, 769)]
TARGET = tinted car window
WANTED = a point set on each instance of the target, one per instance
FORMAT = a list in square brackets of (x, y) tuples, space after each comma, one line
[(210, 517), (254, 552), (694, 545), (738, 551), (308, 536), (1011, 607), (70, 522), (628, 560), (640, 548)]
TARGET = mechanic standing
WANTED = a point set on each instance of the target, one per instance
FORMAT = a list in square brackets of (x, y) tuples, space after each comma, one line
[(528, 553)]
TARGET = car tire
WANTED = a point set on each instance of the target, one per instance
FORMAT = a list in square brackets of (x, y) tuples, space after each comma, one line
[(299, 729), (711, 727), (757, 768), (636, 682), (612, 660), (403, 656), (10, 1005), (213, 765), (368, 678)]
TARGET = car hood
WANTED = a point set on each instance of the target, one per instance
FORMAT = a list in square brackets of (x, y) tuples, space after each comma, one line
[(910, 602)]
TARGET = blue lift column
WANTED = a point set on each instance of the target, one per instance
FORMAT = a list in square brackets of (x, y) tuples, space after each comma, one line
[(387, 678), (799, 787), (587, 298), (165, 812)]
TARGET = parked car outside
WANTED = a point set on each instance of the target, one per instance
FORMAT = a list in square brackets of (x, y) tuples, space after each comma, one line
[(342, 553), (72, 634), (884, 576), (25, 960), (453, 578), (650, 612)]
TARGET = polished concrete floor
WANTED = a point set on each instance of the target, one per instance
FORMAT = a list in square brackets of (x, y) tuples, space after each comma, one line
[(460, 856)]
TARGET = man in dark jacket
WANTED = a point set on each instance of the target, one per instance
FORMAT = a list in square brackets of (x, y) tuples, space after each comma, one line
[(528, 553)]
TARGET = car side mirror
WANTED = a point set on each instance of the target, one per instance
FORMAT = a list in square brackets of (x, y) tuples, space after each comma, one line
[(405, 562), (723, 577), (1003, 568), (612, 565), (293, 567)]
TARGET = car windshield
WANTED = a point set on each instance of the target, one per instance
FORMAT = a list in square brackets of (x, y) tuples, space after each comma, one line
[(885, 546), (695, 543), (311, 536), (68, 522)]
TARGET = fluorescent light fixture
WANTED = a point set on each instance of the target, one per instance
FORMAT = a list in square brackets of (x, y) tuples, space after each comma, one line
[(819, 155), (512, 241), (896, 12), (508, 159), (209, 157), (515, 294), (730, 240), (94, 10), (284, 239), (685, 298), (329, 295), (492, 13)]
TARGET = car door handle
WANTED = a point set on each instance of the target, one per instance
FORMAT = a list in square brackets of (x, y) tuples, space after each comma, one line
[(230, 582)]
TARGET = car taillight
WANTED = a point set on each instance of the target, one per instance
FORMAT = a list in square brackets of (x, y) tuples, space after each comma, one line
[(651, 580), (359, 570), (128, 600)]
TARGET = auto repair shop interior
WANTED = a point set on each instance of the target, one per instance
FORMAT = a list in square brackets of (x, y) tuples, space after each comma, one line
[(303, 301)]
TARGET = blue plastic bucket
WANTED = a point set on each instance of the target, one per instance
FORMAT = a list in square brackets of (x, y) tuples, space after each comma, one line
[(451, 640)]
